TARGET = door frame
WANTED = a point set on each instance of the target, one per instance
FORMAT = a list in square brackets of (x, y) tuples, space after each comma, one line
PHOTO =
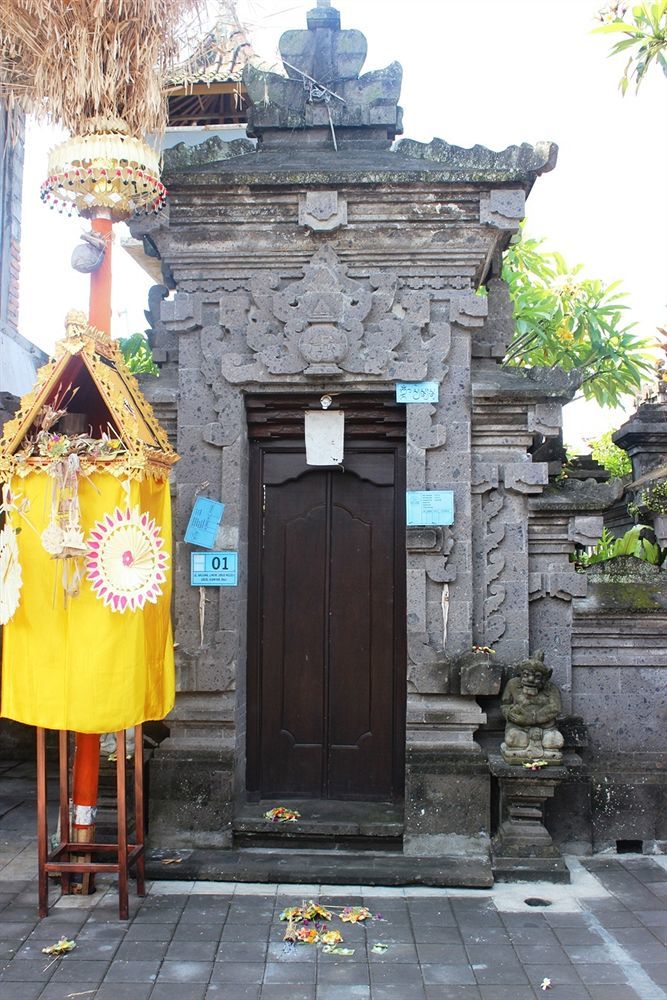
[(275, 424)]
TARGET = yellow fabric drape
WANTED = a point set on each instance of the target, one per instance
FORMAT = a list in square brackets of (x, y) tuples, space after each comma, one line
[(83, 667)]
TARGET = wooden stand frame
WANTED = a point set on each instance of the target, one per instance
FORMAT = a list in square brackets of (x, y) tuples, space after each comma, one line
[(59, 860)]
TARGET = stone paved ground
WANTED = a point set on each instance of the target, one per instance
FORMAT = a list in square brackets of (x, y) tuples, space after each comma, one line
[(604, 936)]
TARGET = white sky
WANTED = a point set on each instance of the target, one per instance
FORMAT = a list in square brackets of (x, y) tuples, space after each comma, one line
[(494, 72)]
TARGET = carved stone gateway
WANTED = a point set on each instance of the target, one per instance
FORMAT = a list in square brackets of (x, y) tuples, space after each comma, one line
[(325, 262)]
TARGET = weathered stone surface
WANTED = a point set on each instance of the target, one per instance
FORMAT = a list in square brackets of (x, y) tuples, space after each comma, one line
[(513, 163)]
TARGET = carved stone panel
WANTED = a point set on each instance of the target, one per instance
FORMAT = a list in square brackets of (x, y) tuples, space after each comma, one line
[(324, 324)]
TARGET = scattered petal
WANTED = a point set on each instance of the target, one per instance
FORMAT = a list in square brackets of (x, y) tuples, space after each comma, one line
[(379, 948), (545, 984), (355, 914)]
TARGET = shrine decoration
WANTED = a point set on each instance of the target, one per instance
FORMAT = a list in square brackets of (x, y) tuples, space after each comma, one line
[(89, 457)]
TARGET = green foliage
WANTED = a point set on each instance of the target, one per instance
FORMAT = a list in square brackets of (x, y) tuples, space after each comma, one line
[(653, 499), (575, 323), (644, 38), (610, 456), (630, 544), (137, 354)]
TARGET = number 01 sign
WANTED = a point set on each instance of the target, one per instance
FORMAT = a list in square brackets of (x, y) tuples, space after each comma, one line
[(214, 569)]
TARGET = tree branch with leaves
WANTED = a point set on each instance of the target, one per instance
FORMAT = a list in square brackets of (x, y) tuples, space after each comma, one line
[(644, 27), (563, 320)]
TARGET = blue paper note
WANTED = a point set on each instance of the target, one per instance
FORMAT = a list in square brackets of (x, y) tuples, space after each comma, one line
[(214, 569), (417, 392), (204, 522), (429, 507)]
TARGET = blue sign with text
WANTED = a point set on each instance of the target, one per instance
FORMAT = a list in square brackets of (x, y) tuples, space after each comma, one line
[(214, 569), (416, 392), (204, 522), (429, 507)]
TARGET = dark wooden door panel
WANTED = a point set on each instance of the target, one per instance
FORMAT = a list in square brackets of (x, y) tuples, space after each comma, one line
[(325, 618)]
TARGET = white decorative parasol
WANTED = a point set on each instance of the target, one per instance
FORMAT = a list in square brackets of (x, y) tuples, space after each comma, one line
[(126, 562)]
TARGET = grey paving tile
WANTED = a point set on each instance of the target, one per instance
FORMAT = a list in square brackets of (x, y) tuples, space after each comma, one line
[(453, 992), (442, 954), (290, 972), (185, 972), (328, 992), (285, 951), (597, 973), (37, 970), (192, 951), (132, 972), (244, 933), (658, 973), (407, 975), (252, 951), (22, 991), (178, 991), (532, 953), (608, 992), (647, 954), (587, 954), (427, 934), (500, 975), (139, 951), (499, 992), (197, 932), (71, 972), (61, 991), (396, 952), (396, 993), (563, 974), (352, 973), (234, 991), (147, 932), (276, 991), (249, 973), (460, 975)]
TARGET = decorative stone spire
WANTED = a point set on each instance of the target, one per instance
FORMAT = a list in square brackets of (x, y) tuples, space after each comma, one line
[(323, 89)]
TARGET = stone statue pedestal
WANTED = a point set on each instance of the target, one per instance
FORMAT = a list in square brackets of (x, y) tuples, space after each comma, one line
[(522, 848)]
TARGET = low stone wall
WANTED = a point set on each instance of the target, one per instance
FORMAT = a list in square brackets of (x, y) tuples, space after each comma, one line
[(619, 688)]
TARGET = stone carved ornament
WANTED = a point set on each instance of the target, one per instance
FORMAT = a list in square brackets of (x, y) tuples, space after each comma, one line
[(325, 324)]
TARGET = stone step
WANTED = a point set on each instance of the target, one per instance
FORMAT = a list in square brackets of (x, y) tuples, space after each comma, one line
[(381, 868), (321, 823)]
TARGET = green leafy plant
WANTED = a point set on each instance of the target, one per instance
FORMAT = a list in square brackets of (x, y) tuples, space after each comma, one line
[(575, 323), (653, 499), (138, 355), (610, 456), (611, 547), (645, 37)]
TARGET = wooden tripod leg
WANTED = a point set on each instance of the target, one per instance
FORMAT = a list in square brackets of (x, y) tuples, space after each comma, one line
[(42, 825), (139, 805), (123, 908), (63, 760)]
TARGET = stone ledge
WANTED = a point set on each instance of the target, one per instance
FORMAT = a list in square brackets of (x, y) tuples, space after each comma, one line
[(330, 868)]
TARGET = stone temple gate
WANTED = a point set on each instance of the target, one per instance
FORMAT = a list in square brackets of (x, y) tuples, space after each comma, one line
[(324, 259)]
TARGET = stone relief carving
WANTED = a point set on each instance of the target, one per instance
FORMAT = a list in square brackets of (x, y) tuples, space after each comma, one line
[(327, 324), (494, 622), (322, 211)]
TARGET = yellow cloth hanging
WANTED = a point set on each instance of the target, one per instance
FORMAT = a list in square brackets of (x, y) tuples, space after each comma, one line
[(81, 666)]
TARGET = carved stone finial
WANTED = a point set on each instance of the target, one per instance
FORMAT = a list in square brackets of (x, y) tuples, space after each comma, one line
[(323, 16), (531, 705)]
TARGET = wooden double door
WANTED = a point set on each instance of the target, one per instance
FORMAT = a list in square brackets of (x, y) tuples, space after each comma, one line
[(326, 679)]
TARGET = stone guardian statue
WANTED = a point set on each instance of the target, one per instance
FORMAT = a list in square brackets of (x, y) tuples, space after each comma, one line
[(531, 704)]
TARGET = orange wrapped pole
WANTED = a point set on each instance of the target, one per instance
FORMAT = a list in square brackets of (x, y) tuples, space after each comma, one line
[(86, 771)]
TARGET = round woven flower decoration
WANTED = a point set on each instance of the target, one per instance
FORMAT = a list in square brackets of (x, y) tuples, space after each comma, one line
[(11, 578), (125, 562)]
